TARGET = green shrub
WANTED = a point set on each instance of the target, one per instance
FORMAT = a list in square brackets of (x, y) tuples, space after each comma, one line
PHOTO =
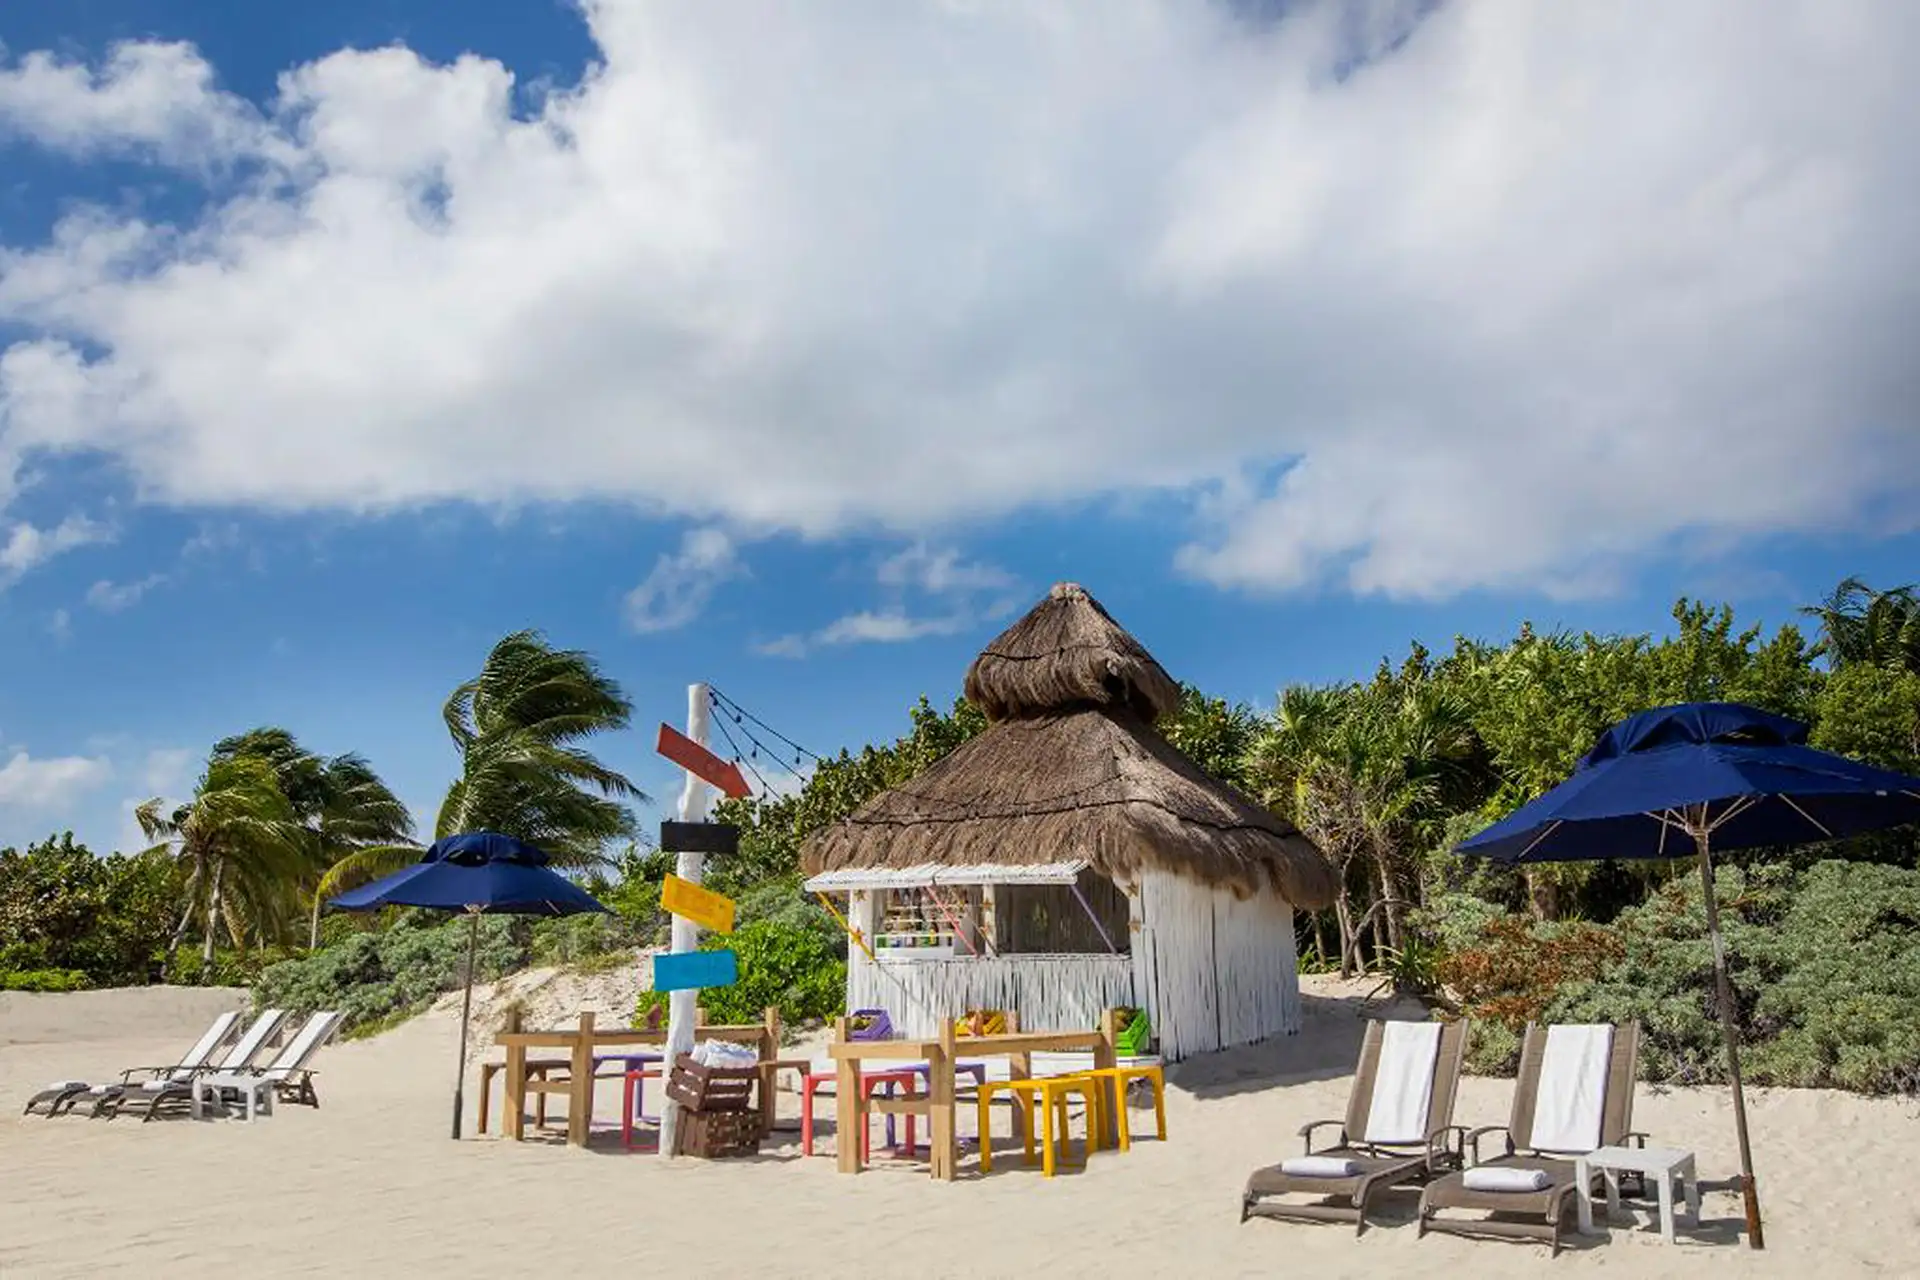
[(1824, 964), (791, 966), (43, 980), (390, 975)]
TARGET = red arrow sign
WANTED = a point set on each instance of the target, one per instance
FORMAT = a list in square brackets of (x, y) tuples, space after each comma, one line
[(702, 763)]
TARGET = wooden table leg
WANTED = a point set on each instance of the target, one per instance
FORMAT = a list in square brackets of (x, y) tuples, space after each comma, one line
[(945, 1152), (580, 1096), (516, 1069), (487, 1070), (848, 1108), (1106, 1057)]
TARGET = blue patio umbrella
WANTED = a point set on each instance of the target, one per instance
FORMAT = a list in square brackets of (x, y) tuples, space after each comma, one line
[(480, 873), (1678, 781)]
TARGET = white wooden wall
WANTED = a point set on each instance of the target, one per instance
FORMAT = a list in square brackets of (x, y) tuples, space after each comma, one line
[(1051, 993), (1213, 971)]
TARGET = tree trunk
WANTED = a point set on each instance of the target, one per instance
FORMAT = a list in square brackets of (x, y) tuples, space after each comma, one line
[(180, 931), (313, 933), (1389, 904), (1343, 911), (213, 923), (1543, 896)]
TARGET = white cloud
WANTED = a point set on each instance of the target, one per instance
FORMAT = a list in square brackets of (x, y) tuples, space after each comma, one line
[(27, 546), (111, 597), (60, 625), (1543, 291), (955, 586), (47, 783), (682, 583), (148, 97)]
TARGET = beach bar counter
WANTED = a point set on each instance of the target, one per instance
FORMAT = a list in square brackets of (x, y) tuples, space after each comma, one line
[(1068, 860)]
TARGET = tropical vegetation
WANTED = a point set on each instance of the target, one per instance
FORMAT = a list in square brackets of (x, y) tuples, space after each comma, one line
[(1385, 774)]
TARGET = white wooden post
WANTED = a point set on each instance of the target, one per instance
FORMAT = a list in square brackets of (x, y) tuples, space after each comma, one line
[(683, 1006)]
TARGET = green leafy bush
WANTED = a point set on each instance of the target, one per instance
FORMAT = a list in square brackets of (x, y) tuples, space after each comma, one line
[(792, 966), (1825, 968), (375, 977), (43, 980), (63, 908)]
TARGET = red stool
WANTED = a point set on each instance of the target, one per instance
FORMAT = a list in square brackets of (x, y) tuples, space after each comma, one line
[(869, 1081), (629, 1103)]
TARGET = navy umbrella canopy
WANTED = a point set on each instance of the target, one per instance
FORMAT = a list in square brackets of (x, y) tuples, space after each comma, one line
[(1677, 782), (1747, 774), (480, 873)]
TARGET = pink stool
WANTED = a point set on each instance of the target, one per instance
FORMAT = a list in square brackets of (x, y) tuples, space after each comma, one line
[(869, 1081)]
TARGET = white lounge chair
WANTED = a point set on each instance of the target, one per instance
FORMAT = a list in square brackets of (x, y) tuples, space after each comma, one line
[(151, 1095), (65, 1095), (289, 1074)]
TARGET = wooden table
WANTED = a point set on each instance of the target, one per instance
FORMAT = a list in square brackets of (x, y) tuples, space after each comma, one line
[(580, 1044), (852, 1106)]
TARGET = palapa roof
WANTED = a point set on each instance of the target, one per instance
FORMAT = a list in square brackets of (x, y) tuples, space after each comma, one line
[(1070, 767)]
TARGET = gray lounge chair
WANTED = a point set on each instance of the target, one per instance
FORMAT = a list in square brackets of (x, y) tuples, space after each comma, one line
[(154, 1096), (1375, 1165), (292, 1077), (64, 1096), (1535, 1214)]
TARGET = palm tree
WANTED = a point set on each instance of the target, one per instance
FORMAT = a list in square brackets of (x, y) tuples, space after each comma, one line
[(518, 726), (1861, 625), (340, 801), (244, 852)]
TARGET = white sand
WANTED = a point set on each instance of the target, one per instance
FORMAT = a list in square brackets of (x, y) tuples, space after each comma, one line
[(371, 1184)]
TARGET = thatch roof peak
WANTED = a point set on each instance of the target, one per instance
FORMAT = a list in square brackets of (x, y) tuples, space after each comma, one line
[(1068, 653)]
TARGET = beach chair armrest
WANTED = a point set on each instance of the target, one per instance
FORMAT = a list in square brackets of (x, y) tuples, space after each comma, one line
[(1474, 1136), (1635, 1138), (155, 1072), (1306, 1132), (1438, 1145)]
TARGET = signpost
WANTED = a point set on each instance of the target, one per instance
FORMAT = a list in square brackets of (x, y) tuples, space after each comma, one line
[(695, 969), (700, 837), (704, 907), (689, 751)]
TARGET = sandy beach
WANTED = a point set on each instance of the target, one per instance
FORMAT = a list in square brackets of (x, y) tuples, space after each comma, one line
[(372, 1184)]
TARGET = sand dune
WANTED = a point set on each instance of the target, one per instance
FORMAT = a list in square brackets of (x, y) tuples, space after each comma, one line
[(371, 1183)]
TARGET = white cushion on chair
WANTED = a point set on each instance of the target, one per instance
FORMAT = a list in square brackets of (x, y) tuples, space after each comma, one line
[(1500, 1178), (1319, 1167)]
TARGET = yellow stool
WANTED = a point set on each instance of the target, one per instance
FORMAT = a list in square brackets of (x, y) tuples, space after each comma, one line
[(1047, 1095), (1121, 1077)]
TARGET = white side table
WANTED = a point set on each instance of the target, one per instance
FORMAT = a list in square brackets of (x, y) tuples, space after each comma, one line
[(256, 1093), (1662, 1164)]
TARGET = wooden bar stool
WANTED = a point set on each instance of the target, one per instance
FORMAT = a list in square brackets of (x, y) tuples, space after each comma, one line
[(1044, 1099), (1120, 1078)]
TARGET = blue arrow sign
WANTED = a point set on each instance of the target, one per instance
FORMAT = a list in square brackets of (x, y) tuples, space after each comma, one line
[(686, 970)]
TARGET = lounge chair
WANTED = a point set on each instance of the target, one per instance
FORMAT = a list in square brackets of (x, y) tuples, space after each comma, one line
[(1574, 1094), (64, 1095), (152, 1095), (1399, 1119), (292, 1077)]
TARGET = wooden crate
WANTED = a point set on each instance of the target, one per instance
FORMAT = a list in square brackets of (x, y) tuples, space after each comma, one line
[(712, 1135), (701, 1088)]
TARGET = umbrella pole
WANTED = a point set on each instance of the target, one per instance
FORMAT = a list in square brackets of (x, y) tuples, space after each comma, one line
[(1724, 991), (466, 1010)]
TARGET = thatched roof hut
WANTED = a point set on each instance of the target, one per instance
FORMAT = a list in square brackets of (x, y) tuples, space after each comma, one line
[(1071, 768)]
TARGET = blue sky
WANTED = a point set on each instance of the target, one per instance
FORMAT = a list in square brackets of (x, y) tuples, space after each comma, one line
[(727, 349)]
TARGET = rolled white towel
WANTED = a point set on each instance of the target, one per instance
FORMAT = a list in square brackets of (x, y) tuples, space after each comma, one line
[(1503, 1178), (1319, 1167), (155, 1086), (67, 1084)]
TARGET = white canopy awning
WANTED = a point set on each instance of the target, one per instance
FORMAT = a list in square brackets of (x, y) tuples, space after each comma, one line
[(930, 874)]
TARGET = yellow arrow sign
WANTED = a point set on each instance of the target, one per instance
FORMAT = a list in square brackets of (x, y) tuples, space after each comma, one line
[(704, 907)]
